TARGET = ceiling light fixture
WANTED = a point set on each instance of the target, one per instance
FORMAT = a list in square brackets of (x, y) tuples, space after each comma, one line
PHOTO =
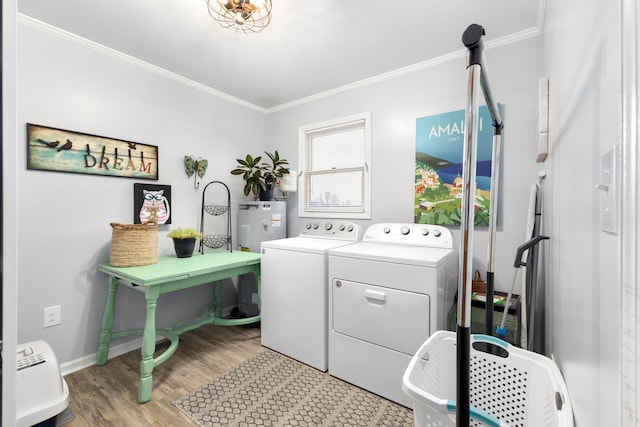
[(247, 16)]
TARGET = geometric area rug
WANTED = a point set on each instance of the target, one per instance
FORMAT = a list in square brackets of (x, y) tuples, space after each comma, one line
[(274, 390)]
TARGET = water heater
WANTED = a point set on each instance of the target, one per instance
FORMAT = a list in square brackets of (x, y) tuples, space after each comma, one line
[(257, 222)]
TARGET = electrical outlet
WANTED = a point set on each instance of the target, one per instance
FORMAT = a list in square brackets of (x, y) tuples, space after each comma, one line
[(52, 316)]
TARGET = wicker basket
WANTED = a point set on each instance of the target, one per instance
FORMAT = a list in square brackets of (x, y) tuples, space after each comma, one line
[(133, 244), (478, 286)]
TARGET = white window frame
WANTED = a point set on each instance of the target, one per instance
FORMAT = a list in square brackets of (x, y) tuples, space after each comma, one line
[(304, 134)]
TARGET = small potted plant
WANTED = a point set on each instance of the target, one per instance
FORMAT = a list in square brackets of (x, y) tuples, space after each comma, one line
[(260, 178), (271, 173), (251, 172), (184, 240)]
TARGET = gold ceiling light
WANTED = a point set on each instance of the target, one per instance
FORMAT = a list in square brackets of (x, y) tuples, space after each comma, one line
[(247, 16)]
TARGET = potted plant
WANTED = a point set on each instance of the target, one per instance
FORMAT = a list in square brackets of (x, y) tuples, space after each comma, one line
[(271, 173), (184, 240), (260, 178)]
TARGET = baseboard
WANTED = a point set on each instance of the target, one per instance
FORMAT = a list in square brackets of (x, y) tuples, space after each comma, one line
[(115, 351), (90, 359)]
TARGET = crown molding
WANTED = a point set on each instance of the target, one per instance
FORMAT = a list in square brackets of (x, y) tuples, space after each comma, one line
[(503, 41), (43, 26), (492, 44)]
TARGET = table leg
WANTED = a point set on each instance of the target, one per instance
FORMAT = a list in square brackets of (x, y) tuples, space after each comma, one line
[(148, 346), (259, 282), (107, 322), (217, 299)]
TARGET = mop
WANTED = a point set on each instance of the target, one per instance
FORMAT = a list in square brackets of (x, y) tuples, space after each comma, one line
[(531, 220), (535, 340), (532, 234), (501, 331), (523, 289)]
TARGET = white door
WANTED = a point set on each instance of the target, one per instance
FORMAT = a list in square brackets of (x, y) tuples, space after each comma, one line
[(294, 305)]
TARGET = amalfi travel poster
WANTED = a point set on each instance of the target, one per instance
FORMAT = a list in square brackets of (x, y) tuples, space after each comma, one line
[(438, 169)]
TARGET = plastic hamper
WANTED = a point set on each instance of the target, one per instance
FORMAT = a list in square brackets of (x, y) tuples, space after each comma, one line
[(508, 386)]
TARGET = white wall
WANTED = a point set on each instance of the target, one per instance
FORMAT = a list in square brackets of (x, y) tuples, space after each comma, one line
[(396, 104), (582, 59), (63, 219), (9, 213)]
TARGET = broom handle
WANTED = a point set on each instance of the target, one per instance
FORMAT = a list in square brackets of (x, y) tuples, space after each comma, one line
[(478, 78), (465, 265), (493, 214)]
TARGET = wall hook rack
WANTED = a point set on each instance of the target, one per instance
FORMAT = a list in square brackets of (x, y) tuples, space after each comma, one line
[(196, 167)]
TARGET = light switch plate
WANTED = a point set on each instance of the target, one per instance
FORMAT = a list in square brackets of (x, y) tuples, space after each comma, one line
[(543, 119), (609, 190)]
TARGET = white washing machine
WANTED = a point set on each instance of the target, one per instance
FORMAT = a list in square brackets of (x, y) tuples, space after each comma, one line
[(294, 294), (388, 294)]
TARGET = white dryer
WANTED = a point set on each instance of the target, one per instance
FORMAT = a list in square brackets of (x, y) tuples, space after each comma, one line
[(388, 294), (294, 290)]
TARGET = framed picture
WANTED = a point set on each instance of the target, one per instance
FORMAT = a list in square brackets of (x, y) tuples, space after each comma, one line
[(59, 150), (438, 168), (151, 203)]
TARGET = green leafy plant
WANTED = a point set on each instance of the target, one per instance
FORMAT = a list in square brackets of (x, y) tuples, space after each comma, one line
[(251, 172), (274, 170), (184, 233), (258, 176)]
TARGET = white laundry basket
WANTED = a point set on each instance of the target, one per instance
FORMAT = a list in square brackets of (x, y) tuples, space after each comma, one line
[(508, 386)]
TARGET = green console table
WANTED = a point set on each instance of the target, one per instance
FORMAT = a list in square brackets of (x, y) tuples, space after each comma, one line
[(167, 275)]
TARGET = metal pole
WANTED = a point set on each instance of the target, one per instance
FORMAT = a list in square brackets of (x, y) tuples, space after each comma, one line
[(493, 204), (493, 213), (472, 39), (469, 155), (478, 79)]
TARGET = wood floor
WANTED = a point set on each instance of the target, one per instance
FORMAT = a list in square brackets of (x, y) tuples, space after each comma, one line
[(108, 395)]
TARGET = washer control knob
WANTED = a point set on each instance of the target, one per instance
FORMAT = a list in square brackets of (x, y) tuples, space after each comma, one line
[(405, 230), (387, 230), (436, 232), (349, 228), (308, 226), (425, 231), (341, 228), (315, 226), (328, 226), (338, 283)]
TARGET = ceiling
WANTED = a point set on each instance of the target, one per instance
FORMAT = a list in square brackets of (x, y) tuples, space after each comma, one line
[(309, 48)]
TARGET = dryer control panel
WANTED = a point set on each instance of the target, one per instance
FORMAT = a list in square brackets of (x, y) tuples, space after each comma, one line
[(409, 234), (332, 230)]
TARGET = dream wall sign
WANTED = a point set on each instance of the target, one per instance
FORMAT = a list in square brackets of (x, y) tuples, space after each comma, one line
[(438, 168), (60, 150)]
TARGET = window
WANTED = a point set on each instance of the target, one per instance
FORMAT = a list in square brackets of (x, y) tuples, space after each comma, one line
[(335, 158)]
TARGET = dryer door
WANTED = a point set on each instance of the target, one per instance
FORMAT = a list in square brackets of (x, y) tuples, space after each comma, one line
[(398, 320)]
